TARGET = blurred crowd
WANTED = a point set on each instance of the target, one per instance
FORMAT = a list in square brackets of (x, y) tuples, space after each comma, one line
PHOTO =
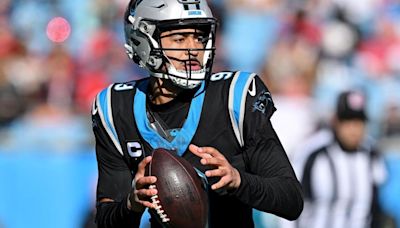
[(307, 51)]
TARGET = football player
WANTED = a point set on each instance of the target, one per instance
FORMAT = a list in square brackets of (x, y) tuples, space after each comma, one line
[(219, 122)]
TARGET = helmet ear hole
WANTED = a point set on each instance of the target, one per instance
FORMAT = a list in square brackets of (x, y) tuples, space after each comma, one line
[(154, 62)]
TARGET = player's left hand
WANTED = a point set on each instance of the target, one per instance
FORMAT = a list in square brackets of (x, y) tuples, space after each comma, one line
[(229, 176)]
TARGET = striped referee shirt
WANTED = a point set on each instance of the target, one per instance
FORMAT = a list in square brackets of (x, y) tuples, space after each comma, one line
[(338, 185)]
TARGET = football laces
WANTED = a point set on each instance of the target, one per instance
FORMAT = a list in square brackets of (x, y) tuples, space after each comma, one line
[(161, 213)]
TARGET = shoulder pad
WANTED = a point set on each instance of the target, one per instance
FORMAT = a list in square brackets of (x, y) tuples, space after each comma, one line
[(237, 100), (102, 106)]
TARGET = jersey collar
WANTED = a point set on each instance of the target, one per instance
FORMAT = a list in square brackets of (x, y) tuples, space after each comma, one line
[(183, 138)]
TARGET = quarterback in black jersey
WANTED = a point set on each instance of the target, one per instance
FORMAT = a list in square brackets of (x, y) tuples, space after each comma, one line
[(219, 122)]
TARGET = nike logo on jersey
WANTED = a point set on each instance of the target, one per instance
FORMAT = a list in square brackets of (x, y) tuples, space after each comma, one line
[(252, 91)]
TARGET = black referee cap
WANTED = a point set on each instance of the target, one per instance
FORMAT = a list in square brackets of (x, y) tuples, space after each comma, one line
[(351, 105)]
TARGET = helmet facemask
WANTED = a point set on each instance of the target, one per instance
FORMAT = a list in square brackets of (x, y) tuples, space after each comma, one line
[(194, 70), (144, 47)]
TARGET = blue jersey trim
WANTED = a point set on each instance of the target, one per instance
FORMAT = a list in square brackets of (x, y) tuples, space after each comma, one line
[(237, 102), (240, 88), (183, 138), (104, 107), (105, 112)]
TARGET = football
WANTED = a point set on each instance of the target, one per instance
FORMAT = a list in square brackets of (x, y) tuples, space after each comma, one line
[(182, 199)]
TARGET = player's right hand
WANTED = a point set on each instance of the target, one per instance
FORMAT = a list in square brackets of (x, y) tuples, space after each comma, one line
[(140, 194)]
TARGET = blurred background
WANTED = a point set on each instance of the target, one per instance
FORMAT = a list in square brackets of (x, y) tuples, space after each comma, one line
[(55, 55)]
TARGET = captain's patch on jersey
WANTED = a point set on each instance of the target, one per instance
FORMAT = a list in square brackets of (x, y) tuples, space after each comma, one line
[(262, 101), (135, 149)]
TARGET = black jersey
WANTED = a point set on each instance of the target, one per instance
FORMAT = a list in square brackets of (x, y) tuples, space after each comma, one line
[(231, 112)]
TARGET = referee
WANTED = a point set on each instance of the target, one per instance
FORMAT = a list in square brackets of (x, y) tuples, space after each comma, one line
[(340, 170)]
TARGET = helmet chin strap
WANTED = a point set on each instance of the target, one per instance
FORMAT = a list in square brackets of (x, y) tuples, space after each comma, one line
[(159, 86)]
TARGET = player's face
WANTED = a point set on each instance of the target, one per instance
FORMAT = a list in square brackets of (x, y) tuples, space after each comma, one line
[(184, 60), (350, 133)]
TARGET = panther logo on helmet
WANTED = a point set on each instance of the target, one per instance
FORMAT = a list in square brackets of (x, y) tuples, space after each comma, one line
[(144, 22)]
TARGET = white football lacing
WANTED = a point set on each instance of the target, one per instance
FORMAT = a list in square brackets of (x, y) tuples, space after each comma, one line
[(158, 207)]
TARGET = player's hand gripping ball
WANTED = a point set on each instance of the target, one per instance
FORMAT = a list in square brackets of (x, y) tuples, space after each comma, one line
[(182, 199)]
